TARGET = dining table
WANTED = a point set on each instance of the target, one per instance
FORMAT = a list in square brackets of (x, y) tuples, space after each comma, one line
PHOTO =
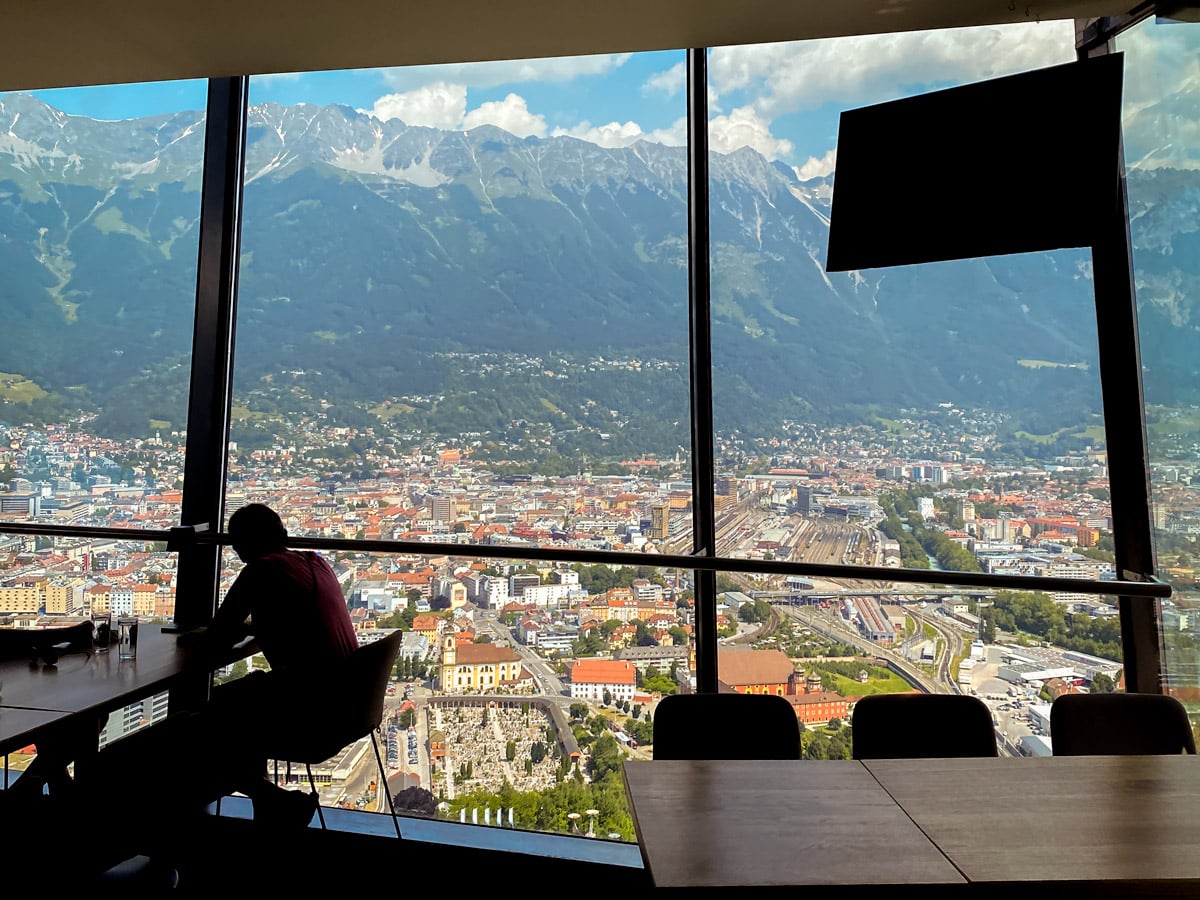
[(1088, 825), (1013, 827), (36, 696)]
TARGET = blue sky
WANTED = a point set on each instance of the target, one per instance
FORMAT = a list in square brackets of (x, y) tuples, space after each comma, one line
[(781, 99)]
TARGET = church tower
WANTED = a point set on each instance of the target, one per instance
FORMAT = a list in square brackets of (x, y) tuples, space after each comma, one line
[(449, 660)]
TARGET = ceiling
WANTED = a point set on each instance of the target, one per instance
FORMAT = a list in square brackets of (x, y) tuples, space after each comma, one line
[(72, 42)]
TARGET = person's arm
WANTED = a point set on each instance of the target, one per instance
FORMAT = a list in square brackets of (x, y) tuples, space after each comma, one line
[(229, 624)]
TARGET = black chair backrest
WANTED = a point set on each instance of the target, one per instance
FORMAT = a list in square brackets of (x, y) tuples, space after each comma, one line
[(726, 726), (1119, 724), (911, 726), (344, 705)]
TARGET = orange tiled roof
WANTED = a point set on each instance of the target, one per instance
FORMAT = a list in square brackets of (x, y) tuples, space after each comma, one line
[(603, 671)]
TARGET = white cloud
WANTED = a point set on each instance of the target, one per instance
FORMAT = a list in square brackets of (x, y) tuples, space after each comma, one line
[(617, 134), (1162, 78), (673, 81), (669, 82), (437, 105), (511, 114), (783, 78), (442, 105), (817, 168), (743, 127), (493, 73), (614, 134), (675, 135)]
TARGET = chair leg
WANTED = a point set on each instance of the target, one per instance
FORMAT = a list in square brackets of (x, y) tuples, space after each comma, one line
[(383, 786), (312, 783)]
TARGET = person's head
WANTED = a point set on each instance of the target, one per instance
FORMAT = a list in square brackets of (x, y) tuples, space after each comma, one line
[(256, 530)]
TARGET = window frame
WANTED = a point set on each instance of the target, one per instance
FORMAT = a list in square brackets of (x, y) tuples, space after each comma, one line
[(198, 539)]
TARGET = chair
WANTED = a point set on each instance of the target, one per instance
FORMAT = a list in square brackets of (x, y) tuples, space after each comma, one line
[(907, 726), (1119, 724), (725, 726), (352, 709)]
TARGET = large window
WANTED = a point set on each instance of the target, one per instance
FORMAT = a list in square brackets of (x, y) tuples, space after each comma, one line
[(1160, 118), (99, 216), (464, 314), (941, 416)]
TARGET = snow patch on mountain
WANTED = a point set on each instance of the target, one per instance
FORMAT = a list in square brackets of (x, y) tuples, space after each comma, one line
[(369, 161), (130, 169), (803, 197), (26, 154)]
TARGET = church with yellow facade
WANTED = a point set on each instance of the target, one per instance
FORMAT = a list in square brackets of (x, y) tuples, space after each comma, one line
[(481, 668)]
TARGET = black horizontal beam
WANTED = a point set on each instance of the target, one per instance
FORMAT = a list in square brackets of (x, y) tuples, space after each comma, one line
[(1148, 588)]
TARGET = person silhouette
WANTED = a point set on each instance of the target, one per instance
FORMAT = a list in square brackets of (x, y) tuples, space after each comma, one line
[(292, 603)]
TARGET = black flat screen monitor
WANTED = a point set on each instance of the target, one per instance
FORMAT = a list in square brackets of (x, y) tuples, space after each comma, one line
[(1017, 164)]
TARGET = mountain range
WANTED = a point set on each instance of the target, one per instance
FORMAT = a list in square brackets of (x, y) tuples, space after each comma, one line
[(383, 261)]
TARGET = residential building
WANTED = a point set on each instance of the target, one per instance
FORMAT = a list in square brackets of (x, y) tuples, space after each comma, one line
[(591, 679)]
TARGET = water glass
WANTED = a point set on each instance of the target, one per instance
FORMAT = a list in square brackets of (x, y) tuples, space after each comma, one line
[(127, 637), (102, 636)]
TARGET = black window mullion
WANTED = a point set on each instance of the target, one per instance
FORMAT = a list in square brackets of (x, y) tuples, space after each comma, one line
[(703, 486), (205, 461)]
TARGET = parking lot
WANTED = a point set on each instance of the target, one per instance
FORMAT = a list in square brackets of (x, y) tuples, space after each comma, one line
[(1009, 703)]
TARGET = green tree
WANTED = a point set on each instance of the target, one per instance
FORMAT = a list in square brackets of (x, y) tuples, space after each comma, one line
[(605, 757), (510, 751), (1103, 684)]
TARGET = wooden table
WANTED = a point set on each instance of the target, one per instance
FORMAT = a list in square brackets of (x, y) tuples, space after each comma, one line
[(1014, 828), (776, 824), (1116, 825), (85, 682), (34, 696)]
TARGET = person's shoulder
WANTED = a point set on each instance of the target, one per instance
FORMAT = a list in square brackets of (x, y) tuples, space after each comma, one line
[(290, 562), (283, 557)]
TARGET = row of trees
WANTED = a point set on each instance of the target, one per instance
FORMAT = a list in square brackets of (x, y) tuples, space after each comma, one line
[(756, 611), (595, 640), (833, 742), (1039, 615), (904, 524)]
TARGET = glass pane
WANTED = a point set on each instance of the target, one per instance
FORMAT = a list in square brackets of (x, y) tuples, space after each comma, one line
[(519, 686), (1161, 153), (937, 416), (463, 304), (99, 214), (823, 649)]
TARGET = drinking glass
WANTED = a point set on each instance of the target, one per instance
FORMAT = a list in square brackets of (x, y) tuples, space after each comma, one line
[(127, 637), (103, 631)]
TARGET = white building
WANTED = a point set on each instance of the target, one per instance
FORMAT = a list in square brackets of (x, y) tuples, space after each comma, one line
[(590, 678), (544, 595)]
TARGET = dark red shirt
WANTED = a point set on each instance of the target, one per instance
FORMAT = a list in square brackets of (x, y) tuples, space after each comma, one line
[(297, 612)]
